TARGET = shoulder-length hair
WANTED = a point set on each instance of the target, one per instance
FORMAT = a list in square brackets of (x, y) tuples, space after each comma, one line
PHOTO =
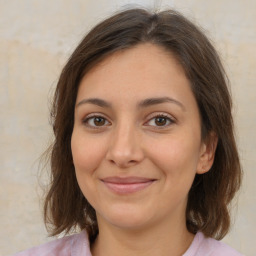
[(207, 211)]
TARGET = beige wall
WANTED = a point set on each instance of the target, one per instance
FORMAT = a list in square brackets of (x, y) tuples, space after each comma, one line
[(35, 39)]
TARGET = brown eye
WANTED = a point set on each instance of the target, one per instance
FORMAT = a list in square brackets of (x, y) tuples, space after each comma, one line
[(160, 121), (99, 121), (95, 121)]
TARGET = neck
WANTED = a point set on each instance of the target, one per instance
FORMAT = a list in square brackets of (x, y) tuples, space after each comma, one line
[(162, 240)]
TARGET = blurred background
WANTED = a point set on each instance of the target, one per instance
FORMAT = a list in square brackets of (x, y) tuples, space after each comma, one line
[(37, 37)]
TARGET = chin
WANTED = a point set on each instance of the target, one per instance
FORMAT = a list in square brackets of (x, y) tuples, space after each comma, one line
[(126, 218)]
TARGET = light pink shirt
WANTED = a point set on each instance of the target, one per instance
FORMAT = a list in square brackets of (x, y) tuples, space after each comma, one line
[(78, 245)]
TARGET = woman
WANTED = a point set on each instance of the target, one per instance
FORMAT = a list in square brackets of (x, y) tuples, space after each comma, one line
[(144, 160)]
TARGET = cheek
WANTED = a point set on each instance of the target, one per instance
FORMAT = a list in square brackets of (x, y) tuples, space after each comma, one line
[(87, 153), (177, 160)]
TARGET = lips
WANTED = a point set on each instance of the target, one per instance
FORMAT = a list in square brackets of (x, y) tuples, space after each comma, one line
[(126, 185)]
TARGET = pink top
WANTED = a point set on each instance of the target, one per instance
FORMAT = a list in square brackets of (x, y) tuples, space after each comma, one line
[(78, 245)]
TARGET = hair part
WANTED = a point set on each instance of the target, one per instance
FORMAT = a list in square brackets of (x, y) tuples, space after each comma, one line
[(207, 211)]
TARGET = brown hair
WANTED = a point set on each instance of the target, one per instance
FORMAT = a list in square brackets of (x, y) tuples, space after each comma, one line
[(209, 197)]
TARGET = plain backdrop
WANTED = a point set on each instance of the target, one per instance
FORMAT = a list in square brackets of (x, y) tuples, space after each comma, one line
[(36, 38)]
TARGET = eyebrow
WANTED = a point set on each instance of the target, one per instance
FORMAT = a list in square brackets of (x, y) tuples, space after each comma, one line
[(154, 101), (142, 104), (95, 101)]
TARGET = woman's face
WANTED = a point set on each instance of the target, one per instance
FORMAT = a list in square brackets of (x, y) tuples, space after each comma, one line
[(136, 142)]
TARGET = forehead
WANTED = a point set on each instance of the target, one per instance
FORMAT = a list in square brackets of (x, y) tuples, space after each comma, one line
[(144, 70), (139, 55)]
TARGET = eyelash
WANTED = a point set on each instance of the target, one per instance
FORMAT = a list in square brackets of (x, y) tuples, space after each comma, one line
[(163, 115), (85, 121)]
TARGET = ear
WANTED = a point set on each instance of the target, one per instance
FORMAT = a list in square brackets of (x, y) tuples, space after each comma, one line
[(207, 153)]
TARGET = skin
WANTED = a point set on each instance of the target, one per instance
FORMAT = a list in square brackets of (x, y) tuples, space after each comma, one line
[(129, 140)]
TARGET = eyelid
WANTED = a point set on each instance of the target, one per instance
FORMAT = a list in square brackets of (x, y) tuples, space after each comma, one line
[(93, 115), (149, 118), (156, 114), (161, 114)]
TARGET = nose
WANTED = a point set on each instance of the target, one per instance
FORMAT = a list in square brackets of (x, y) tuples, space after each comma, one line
[(125, 149)]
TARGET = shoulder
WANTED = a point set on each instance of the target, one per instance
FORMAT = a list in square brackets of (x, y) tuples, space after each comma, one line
[(73, 245), (203, 246), (218, 248)]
